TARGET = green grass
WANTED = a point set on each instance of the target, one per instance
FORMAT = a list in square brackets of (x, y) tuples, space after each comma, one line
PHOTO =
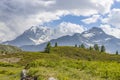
[(7, 49), (64, 63)]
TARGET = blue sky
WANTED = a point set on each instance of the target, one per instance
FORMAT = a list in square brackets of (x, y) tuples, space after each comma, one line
[(74, 20), (16, 16), (78, 19), (116, 5), (67, 18)]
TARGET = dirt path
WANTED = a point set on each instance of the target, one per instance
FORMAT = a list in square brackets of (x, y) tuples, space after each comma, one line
[(10, 60)]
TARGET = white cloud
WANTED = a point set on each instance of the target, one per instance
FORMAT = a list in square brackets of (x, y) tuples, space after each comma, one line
[(49, 16), (20, 15), (5, 32), (113, 18), (111, 31), (67, 28), (92, 19), (86, 6), (112, 23), (118, 0), (103, 6)]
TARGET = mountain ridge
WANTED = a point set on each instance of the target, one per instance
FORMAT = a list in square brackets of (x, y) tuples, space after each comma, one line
[(38, 35), (27, 41), (98, 37)]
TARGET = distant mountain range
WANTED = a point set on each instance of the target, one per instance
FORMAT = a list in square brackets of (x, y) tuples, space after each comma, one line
[(33, 36), (36, 38), (38, 35)]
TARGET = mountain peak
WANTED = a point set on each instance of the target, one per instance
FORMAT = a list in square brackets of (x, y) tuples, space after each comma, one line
[(95, 30), (33, 28), (92, 32), (36, 28)]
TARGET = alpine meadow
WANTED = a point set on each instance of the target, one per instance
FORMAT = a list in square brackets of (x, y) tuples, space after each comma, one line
[(59, 39)]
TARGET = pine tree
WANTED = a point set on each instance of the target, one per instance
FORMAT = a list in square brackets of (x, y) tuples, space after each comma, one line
[(102, 48), (90, 48), (96, 47), (116, 52), (48, 47), (56, 45), (75, 45), (82, 46)]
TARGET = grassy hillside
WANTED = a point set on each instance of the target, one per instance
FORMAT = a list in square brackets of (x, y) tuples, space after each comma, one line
[(4, 49), (63, 63), (84, 54)]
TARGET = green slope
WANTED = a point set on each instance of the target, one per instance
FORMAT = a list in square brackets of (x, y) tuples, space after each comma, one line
[(4, 49), (86, 54), (63, 63)]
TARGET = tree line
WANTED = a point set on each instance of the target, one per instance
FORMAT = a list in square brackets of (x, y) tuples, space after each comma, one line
[(48, 47), (96, 47)]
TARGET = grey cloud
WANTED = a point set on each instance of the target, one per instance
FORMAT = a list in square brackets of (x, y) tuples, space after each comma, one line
[(19, 8), (14, 13), (72, 4), (19, 15)]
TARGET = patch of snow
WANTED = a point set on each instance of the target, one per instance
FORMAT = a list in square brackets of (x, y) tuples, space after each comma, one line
[(107, 39), (88, 35), (97, 41), (34, 28), (41, 34), (39, 41), (101, 32)]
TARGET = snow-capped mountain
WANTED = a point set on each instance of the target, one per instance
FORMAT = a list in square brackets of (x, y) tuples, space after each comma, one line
[(40, 34), (33, 36), (89, 38), (36, 38)]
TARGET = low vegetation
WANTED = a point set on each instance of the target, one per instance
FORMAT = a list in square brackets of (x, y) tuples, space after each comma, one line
[(6, 49), (63, 63)]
